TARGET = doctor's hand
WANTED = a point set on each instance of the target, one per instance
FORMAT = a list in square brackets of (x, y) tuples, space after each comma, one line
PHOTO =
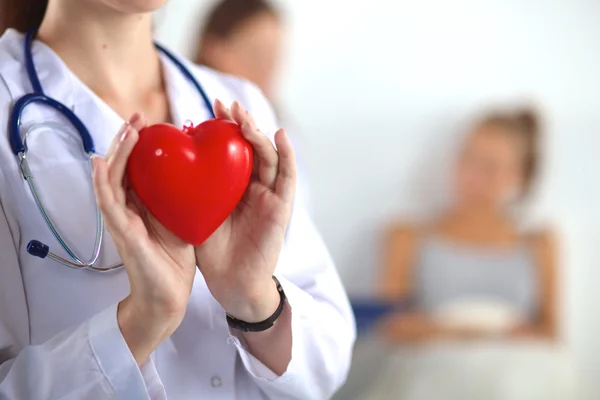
[(239, 259), (160, 266)]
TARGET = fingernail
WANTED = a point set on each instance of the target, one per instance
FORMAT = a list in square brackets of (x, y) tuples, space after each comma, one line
[(123, 127), (124, 134)]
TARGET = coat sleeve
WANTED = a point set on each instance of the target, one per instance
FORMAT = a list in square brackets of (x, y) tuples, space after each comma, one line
[(90, 361), (323, 327)]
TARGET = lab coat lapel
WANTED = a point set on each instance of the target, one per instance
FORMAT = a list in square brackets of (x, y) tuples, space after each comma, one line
[(102, 121), (54, 77), (186, 106), (186, 103), (59, 83)]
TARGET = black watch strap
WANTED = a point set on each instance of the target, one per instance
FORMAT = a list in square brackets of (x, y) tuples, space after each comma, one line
[(263, 325)]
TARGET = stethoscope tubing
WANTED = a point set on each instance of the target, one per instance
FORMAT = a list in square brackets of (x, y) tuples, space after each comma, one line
[(19, 148)]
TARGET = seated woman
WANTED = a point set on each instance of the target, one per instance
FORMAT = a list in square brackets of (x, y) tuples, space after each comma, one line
[(472, 272)]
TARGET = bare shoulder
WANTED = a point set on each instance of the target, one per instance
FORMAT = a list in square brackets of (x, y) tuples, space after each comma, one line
[(399, 233), (544, 239), (544, 243)]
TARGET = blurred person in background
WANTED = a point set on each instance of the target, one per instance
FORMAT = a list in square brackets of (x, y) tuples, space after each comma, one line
[(483, 293), (475, 252), (246, 38)]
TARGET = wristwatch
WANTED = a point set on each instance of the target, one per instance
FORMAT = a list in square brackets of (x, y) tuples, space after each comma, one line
[(261, 326)]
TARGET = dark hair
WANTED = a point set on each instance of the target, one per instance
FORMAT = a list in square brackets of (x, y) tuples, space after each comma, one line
[(22, 15), (227, 16), (526, 124)]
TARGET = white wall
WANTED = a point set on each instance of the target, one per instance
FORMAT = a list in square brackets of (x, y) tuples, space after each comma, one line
[(379, 87)]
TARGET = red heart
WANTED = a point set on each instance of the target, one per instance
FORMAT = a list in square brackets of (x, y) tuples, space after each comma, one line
[(191, 180)]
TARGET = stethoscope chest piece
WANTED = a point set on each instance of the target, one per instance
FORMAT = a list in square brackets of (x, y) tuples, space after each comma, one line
[(20, 149)]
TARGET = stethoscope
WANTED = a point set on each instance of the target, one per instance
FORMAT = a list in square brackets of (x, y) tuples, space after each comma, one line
[(19, 147)]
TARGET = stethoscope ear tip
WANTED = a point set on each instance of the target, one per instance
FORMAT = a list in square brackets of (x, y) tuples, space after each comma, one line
[(37, 249)]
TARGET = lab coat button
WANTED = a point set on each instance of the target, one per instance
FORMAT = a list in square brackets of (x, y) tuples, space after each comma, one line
[(216, 381)]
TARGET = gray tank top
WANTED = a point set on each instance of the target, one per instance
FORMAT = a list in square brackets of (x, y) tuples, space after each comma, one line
[(447, 271)]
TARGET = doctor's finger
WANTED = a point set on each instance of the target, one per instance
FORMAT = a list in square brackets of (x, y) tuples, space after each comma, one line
[(264, 152), (117, 164), (105, 197), (118, 137), (263, 148), (221, 111), (241, 115), (115, 142), (286, 177)]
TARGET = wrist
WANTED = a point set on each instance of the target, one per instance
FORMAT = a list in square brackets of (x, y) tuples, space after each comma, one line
[(143, 331), (256, 305)]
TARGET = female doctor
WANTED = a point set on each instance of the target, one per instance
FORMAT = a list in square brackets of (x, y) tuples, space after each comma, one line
[(242, 316)]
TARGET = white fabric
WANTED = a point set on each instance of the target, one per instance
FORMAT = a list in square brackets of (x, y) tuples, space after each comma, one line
[(478, 314), (59, 337), (487, 370)]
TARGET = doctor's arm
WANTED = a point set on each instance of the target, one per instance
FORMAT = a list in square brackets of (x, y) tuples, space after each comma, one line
[(107, 356), (87, 361), (306, 354), (317, 316)]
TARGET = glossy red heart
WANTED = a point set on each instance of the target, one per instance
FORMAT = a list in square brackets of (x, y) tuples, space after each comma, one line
[(192, 179)]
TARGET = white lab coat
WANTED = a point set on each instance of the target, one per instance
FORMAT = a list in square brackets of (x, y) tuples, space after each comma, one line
[(59, 337)]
